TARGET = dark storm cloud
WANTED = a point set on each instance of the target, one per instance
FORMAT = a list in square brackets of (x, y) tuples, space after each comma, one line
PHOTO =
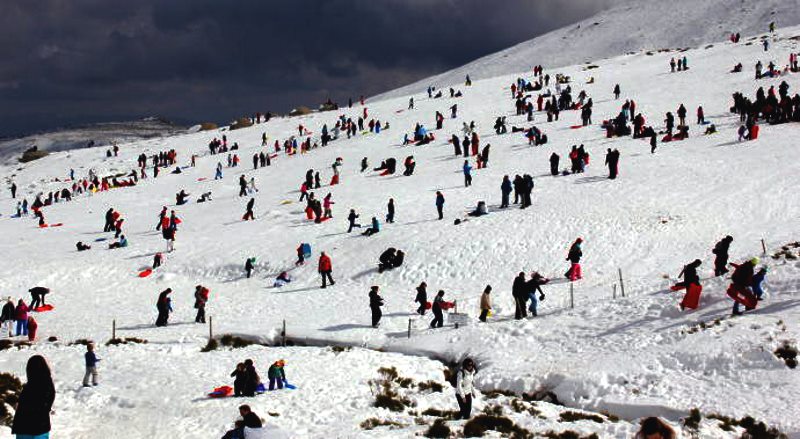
[(76, 61)]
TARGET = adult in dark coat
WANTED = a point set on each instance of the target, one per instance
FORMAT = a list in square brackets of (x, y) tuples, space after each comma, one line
[(37, 296), (519, 291), (554, 158), (251, 379), (162, 305), (422, 298), (32, 416), (721, 255), (375, 303)]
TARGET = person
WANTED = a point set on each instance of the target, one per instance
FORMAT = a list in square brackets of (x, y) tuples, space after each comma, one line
[(200, 300), (158, 259), (21, 316), (386, 261), (758, 279), (464, 388), (741, 281), (375, 227), (440, 204), (282, 279), (375, 304), (248, 420), (612, 160), (32, 415), (32, 327), (438, 316), (616, 91), (239, 376), (181, 197), (554, 159), (248, 213), (390, 211), (689, 275), (122, 243), (721, 255), (654, 428), (163, 307), (574, 256), (82, 247), (325, 269), (519, 292), (653, 143), (37, 297), (251, 379), (276, 375), (532, 286), (7, 315), (351, 218), (422, 298), (486, 303), (505, 191), (91, 365), (467, 169), (249, 266)]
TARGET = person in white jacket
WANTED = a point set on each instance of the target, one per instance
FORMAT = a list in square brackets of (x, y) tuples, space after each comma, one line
[(464, 388)]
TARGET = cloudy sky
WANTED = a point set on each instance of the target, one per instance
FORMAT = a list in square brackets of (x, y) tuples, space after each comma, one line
[(69, 62)]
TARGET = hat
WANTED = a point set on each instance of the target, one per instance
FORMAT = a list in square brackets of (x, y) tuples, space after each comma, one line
[(755, 261)]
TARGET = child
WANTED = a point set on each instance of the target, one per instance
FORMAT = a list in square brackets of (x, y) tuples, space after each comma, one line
[(758, 279), (157, 260), (249, 266), (486, 303), (91, 365), (277, 375), (32, 326)]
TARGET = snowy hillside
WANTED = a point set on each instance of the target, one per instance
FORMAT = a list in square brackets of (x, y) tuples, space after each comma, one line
[(625, 26), (631, 356), (100, 134)]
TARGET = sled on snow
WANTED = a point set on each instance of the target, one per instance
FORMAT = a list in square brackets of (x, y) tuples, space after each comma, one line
[(146, 272), (743, 296), (221, 392), (43, 308)]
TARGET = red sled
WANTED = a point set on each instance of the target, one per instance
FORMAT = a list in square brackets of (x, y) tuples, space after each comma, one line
[(43, 308), (334, 180), (742, 295), (309, 213), (754, 132), (146, 272), (202, 179), (447, 305), (221, 392), (692, 298), (575, 127)]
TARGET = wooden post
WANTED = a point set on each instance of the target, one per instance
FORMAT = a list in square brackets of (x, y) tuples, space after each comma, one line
[(283, 333), (614, 294), (763, 247), (621, 283), (409, 328), (572, 295), (210, 327), (114, 329), (455, 305)]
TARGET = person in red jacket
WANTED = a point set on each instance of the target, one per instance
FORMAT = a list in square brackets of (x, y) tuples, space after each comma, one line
[(325, 269), (32, 326), (200, 300)]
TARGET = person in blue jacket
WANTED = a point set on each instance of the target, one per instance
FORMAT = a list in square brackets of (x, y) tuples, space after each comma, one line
[(375, 228), (91, 365), (276, 375), (467, 174), (758, 279)]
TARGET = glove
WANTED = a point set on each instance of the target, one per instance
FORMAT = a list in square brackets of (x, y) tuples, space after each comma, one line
[(541, 297)]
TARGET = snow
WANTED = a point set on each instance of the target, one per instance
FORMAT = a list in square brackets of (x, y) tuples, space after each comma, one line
[(633, 356)]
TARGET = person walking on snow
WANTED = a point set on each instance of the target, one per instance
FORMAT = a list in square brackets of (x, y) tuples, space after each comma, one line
[(390, 211), (574, 256), (249, 266), (519, 291), (616, 91), (91, 360), (248, 213), (486, 303), (200, 300), (741, 281), (505, 191), (325, 269), (533, 286), (758, 279), (422, 298), (438, 312), (375, 304), (721, 255), (163, 306), (351, 218), (464, 388)]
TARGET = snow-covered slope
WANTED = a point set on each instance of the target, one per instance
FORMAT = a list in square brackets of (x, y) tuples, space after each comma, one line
[(633, 356), (625, 26), (100, 134)]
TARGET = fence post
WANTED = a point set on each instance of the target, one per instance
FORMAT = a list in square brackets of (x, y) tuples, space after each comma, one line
[(572, 295), (114, 329), (763, 247), (409, 328), (210, 327), (283, 333), (615, 291), (455, 305), (621, 283)]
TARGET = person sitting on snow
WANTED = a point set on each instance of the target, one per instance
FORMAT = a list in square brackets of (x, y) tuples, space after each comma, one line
[(282, 280), (376, 227), (248, 419), (123, 242), (386, 259), (82, 247)]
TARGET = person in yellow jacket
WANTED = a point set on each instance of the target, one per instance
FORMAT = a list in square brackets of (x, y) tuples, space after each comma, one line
[(486, 302)]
